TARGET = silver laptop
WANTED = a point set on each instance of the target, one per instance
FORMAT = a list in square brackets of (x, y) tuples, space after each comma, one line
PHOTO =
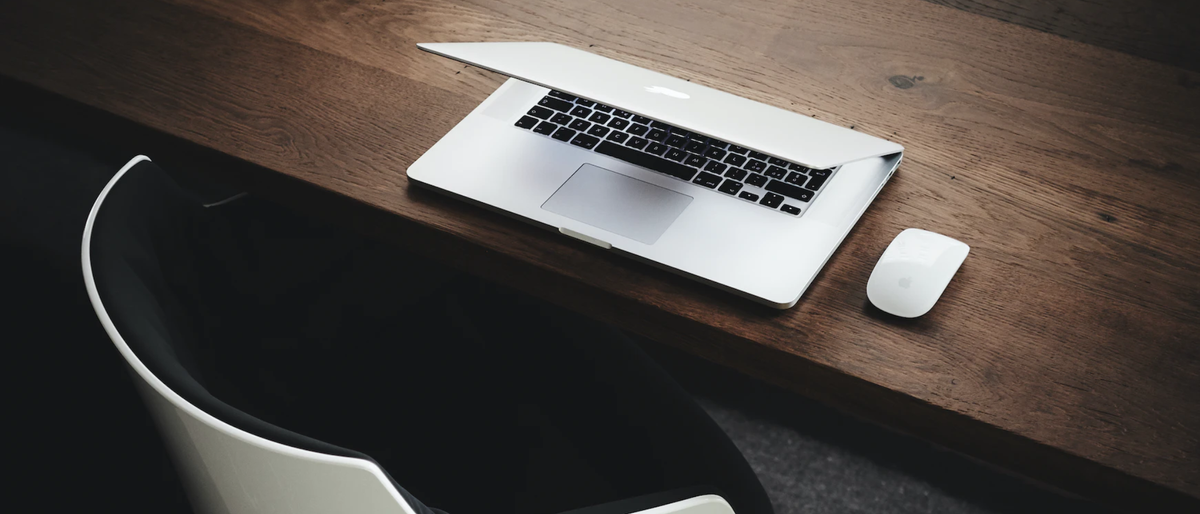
[(737, 194)]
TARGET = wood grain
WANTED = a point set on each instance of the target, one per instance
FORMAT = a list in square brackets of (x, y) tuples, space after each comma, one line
[(1065, 349), (1160, 30)]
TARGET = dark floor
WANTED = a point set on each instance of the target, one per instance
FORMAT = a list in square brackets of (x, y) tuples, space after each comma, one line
[(813, 459), (82, 434)]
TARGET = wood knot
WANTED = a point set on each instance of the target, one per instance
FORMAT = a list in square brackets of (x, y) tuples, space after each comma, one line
[(901, 81), (904, 82), (1108, 217)]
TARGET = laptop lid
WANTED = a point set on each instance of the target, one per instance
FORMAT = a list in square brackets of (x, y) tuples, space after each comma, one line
[(694, 107)]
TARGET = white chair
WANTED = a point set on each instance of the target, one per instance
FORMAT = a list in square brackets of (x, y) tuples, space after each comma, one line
[(229, 461)]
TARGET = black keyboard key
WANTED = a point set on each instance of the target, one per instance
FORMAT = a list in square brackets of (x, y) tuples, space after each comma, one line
[(564, 134), (660, 125), (694, 160), (718, 144), (599, 117), (730, 186), (757, 155), (561, 119), (795, 179), (599, 130), (545, 128), (617, 136), (796, 167), (737, 149), (641, 119), (790, 209), (714, 167), (772, 200), (788, 190), (565, 96), (746, 195), (815, 183), (773, 171), (657, 134), (699, 139), (554, 103), (579, 125), (676, 140), (707, 179), (656, 148), (695, 147), (527, 122), (819, 173), (777, 161), (757, 180), (735, 159), (638, 130), (581, 112), (585, 103), (658, 164), (621, 114), (714, 152), (538, 111), (675, 154), (755, 166), (681, 132), (603, 108), (618, 123), (585, 141), (636, 142), (737, 173)]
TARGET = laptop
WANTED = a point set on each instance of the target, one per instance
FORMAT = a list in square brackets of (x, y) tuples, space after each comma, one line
[(734, 193)]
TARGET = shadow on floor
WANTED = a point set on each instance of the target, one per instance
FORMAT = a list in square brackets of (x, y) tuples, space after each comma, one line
[(814, 459)]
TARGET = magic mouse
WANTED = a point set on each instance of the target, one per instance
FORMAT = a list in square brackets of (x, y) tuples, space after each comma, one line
[(914, 271)]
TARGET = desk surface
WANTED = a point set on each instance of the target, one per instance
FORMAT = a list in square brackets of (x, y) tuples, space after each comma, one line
[(1066, 348)]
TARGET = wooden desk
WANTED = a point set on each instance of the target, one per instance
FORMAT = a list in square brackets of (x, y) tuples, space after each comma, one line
[(1066, 349)]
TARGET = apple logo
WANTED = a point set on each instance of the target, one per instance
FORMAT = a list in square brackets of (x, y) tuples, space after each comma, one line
[(905, 282), (667, 91)]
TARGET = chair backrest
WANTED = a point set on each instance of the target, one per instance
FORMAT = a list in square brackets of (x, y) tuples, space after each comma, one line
[(230, 462)]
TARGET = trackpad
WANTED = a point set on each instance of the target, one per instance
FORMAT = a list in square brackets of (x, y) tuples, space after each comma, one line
[(608, 200)]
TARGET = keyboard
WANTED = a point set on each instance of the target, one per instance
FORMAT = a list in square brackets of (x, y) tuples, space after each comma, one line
[(739, 172)]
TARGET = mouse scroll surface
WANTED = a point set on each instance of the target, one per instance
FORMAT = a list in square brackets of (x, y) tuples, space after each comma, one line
[(914, 271)]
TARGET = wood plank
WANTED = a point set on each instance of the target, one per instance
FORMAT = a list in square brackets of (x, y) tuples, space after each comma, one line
[(1072, 138), (993, 78), (1067, 339), (1159, 30)]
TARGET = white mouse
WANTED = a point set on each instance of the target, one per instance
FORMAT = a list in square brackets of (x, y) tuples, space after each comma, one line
[(914, 271)]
